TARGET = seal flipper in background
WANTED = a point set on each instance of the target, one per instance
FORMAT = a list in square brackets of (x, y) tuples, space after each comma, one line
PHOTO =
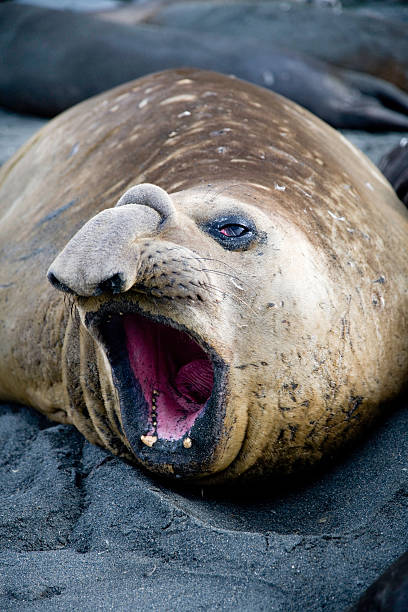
[(50, 60), (389, 593), (369, 43), (394, 166)]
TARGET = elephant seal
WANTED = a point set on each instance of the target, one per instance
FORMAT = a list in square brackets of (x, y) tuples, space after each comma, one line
[(232, 276), (52, 59)]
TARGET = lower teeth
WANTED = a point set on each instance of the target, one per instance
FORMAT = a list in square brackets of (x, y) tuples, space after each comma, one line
[(149, 440), (187, 442)]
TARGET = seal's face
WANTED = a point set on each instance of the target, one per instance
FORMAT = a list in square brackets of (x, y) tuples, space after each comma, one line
[(173, 294)]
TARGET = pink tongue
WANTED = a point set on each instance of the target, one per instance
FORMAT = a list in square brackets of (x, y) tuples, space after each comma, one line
[(172, 369), (194, 381)]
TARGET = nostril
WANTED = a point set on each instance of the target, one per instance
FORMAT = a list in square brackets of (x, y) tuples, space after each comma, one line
[(58, 285), (114, 284)]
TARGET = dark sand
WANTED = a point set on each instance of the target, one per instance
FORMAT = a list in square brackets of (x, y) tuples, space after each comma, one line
[(80, 529)]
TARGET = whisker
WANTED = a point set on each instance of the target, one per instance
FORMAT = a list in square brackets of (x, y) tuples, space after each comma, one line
[(211, 259), (219, 272), (225, 188), (237, 298), (240, 280)]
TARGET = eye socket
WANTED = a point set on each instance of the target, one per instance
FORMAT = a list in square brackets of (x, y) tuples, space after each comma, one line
[(234, 232)]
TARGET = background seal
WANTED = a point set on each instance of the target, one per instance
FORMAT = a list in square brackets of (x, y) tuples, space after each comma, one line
[(53, 59)]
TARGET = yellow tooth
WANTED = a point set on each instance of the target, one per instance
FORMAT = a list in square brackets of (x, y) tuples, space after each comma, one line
[(187, 442), (149, 440)]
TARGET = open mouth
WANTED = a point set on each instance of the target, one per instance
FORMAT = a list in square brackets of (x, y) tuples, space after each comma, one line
[(171, 390)]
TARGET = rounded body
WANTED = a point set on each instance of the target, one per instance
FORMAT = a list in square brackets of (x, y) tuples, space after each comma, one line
[(305, 325)]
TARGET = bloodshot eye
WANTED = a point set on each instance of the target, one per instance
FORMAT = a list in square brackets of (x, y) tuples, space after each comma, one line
[(233, 229), (234, 232)]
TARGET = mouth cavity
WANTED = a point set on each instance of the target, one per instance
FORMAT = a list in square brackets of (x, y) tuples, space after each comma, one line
[(175, 375), (171, 391)]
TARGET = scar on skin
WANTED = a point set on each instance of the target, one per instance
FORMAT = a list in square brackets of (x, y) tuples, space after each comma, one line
[(181, 98)]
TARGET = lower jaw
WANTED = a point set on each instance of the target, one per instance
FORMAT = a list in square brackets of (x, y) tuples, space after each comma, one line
[(198, 452)]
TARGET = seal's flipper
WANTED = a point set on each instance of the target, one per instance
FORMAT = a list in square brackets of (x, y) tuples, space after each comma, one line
[(386, 93), (394, 166), (363, 102)]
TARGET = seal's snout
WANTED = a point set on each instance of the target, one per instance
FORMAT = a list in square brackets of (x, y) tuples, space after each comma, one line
[(103, 255)]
